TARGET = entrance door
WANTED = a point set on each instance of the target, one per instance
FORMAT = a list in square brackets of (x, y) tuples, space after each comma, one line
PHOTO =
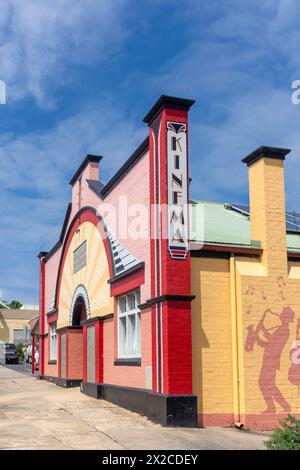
[(63, 356), (91, 354)]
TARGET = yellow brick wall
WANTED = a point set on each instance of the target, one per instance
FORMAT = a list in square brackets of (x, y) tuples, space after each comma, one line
[(211, 330), (213, 380), (267, 207)]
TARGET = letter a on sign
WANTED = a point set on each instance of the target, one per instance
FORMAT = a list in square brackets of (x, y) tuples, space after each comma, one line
[(177, 190)]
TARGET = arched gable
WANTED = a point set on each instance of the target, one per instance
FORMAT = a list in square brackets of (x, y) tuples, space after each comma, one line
[(87, 227)]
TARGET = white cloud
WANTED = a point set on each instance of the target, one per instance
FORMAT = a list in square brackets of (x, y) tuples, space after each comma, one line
[(35, 171), (40, 39)]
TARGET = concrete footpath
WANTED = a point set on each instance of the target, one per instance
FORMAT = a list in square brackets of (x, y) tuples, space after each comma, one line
[(38, 415)]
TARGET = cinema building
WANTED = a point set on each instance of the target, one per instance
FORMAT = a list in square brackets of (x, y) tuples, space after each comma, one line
[(196, 321)]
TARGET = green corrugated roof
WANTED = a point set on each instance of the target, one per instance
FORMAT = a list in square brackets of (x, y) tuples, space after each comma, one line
[(213, 222)]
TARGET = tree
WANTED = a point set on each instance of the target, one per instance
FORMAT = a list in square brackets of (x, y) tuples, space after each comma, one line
[(15, 304)]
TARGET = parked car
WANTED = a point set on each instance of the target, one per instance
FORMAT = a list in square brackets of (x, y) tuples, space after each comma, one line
[(8, 354), (28, 353)]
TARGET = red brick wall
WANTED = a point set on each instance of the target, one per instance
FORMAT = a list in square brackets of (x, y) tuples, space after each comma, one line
[(127, 376), (50, 369), (177, 347), (74, 354)]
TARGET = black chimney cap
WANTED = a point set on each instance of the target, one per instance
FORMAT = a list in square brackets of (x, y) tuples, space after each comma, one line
[(277, 153), (167, 102)]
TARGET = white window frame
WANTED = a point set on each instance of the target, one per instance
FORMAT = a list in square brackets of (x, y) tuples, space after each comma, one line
[(129, 349), (53, 341)]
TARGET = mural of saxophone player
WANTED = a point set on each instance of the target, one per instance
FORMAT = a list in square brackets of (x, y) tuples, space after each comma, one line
[(273, 342)]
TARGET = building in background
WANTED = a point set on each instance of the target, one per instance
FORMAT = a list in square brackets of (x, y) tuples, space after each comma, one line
[(14, 325), (197, 323), (29, 307)]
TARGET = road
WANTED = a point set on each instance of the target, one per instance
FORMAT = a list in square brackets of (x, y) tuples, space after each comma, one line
[(19, 368), (36, 414)]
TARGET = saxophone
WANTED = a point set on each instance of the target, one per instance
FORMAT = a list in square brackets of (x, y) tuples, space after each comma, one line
[(253, 334)]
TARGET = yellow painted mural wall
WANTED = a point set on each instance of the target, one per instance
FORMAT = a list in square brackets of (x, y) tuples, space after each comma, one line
[(211, 330), (93, 276), (213, 342), (273, 303)]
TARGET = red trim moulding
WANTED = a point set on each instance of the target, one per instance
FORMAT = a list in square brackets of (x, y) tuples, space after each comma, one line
[(52, 317), (98, 324), (127, 283), (42, 318), (84, 352), (67, 353), (59, 354), (32, 354), (99, 353)]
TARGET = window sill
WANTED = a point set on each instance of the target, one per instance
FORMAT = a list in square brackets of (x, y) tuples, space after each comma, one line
[(52, 362), (135, 361)]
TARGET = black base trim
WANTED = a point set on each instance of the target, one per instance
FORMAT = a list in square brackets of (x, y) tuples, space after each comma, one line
[(168, 410), (60, 382), (68, 383), (223, 254), (48, 378), (91, 389)]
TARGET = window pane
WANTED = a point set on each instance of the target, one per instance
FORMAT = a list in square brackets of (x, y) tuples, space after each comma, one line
[(122, 336), (131, 301), (53, 341), (122, 304), (131, 335)]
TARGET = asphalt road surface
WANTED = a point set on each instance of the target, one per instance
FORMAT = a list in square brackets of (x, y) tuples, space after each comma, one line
[(19, 368)]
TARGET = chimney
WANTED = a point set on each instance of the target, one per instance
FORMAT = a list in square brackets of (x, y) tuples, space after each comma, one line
[(88, 171), (267, 206), (90, 167)]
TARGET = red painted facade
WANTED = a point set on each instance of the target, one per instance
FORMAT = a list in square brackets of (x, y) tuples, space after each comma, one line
[(168, 276), (164, 365)]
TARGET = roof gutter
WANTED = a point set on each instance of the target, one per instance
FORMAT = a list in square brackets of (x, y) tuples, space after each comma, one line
[(197, 247)]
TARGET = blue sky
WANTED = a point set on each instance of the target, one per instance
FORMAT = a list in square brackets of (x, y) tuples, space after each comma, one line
[(81, 75)]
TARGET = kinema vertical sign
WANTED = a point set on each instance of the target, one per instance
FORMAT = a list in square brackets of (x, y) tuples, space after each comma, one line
[(177, 190)]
